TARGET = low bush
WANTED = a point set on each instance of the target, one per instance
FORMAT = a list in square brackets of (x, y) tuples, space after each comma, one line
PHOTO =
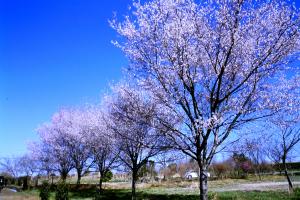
[(45, 191), (62, 191), (97, 195)]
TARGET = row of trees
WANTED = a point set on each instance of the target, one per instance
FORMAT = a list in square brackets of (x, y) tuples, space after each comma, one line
[(131, 126), (123, 129)]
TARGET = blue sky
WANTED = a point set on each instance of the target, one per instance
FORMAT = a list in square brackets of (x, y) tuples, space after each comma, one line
[(53, 54)]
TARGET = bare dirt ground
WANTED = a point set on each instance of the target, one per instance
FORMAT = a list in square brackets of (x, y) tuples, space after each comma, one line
[(187, 187), (258, 186), (248, 186), (225, 185)]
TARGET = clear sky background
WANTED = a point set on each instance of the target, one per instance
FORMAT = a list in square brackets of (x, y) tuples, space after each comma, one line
[(53, 53)]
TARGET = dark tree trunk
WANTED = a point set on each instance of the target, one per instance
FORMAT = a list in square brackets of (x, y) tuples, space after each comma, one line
[(101, 182), (79, 171), (133, 183), (287, 175), (100, 186), (280, 171), (203, 182), (64, 176), (25, 183)]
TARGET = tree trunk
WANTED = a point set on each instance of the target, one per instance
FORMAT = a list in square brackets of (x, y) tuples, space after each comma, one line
[(64, 176), (25, 183), (257, 172), (79, 171), (287, 175), (100, 182), (259, 175), (203, 182), (133, 182)]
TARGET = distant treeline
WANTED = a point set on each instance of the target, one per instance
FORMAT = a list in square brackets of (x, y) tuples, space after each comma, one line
[(290, 166)]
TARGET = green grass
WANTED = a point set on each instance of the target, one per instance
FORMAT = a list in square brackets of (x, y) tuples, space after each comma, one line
[(145, 195), (124, 194), (255, 195)]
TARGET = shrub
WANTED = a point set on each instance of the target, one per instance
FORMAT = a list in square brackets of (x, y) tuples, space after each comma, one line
[(97, 195), (297, 174), (108, 176), (212, 196), (25, 183), (62, 191), (45, 191), (221, 169)]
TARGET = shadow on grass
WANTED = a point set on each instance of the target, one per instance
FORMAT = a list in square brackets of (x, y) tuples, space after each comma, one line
[(126, 194), (90, 191), (239, 195)]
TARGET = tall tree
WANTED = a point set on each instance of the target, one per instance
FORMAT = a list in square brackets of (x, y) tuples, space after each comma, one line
[(66, 140), (77, 140), (11, 166), (54, 143), (284, 127), (29, 166), (101, 141), (212, 63), (132, 117), (286, 140), (255, 148), (45, 163)]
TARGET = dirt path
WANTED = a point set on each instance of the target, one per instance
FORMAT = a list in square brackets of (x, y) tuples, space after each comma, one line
[(9, 194), (260, 186)]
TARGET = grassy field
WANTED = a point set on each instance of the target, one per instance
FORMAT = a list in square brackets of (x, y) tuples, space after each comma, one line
[(228, 189), (150, 195)]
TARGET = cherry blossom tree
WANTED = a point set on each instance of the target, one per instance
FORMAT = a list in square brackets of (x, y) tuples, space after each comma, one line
[(101, 142), (132, 116), (65, 141), (256, 149), (29, 165), (212, 63), (284, 143), (77, 140), (11, 166), (39, 152), (54, 143), (284, 127)]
